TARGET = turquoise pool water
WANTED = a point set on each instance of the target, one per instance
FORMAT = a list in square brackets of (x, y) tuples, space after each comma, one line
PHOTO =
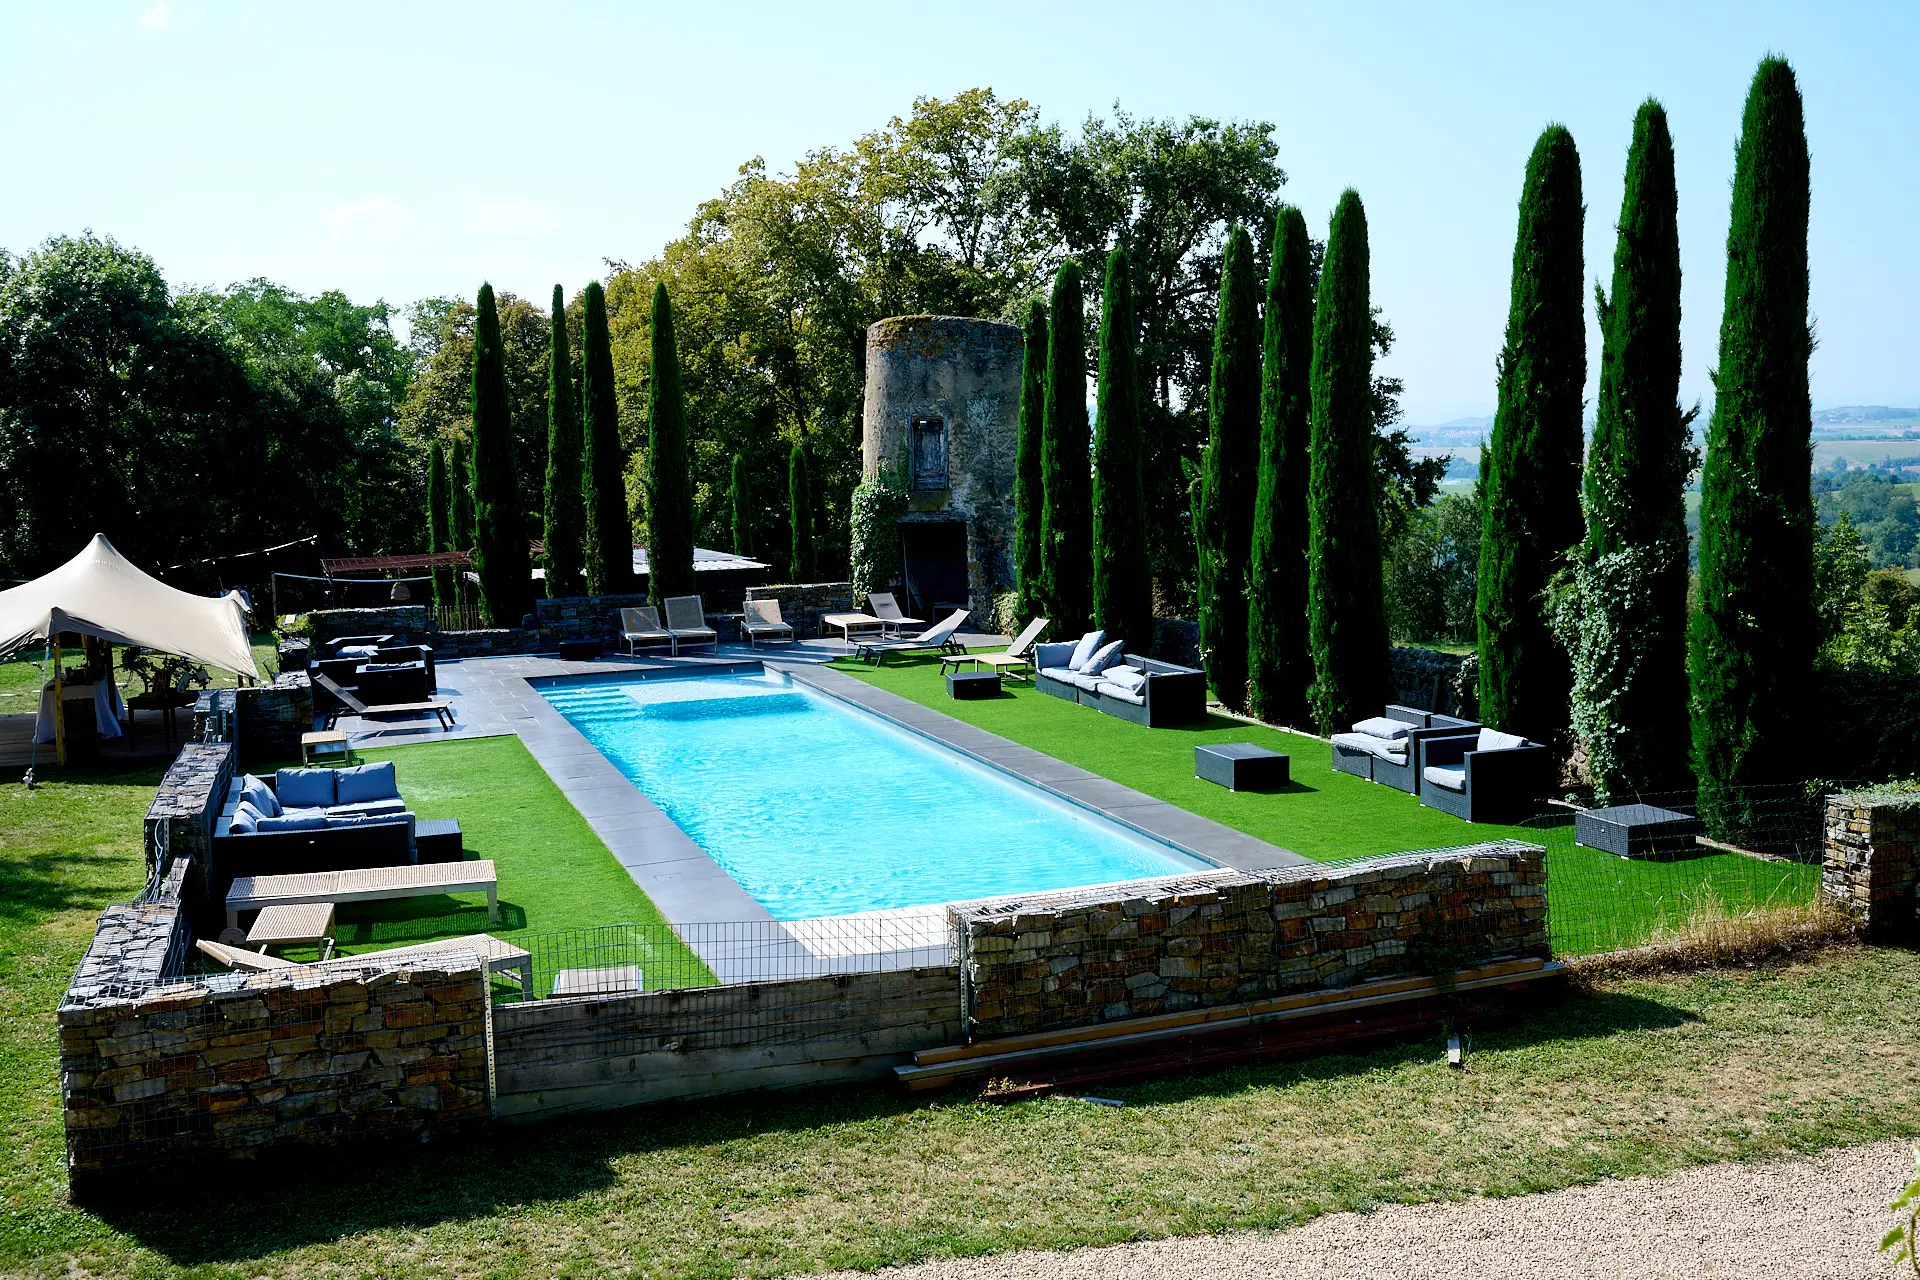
[(819, 809)]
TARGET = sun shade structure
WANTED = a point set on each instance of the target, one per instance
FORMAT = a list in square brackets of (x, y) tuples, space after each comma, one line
[(101, 593)]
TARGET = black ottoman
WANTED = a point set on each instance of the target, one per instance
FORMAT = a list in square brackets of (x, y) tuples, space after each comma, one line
[(966, 685), (1241, 766), (438, 840), (1637, 831), (579, 650)]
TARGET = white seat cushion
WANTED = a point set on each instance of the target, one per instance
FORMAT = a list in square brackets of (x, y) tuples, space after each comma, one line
[(1394, 751), (1062, 674), (1108, 688), (1452, 777), (1081, 680), (1132, 679), (1494, 740), (1383, 727), (1106, 656)]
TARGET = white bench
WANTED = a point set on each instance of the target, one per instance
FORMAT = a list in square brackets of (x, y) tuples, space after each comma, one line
[(375, 884)]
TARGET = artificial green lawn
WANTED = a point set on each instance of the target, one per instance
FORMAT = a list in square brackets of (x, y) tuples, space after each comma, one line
[(1597, 902)]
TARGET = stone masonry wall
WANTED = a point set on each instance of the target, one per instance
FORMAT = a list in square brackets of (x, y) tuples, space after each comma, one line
[(234, 1064), (585, 617), (1084, 956), (271, 717), (181, 819), (407, 623), (802, 603), (1872, 862)]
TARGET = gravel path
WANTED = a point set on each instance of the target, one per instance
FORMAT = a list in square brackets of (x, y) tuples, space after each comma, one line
[(1812, 1219)]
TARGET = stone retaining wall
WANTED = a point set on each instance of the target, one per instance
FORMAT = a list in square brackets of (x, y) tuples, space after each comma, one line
[(180, 821), (1428, 679), (1085, 956), (234, 1064), (585, 617), (803, 603), (407, 623), (269, 718), (1872, 861), (489, 643)]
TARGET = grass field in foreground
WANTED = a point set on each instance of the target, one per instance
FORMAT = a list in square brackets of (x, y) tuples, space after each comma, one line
[(1597, 902)]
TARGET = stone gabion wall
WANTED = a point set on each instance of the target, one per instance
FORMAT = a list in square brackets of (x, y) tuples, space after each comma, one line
[(803, 603), (271, 717), (180, 821), (1872, 861), (488, 643), (235, 1064), (137, 944), (407, 623), (1085, 956)]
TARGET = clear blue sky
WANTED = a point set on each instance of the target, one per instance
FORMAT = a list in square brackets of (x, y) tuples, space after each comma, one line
[(399, 150)]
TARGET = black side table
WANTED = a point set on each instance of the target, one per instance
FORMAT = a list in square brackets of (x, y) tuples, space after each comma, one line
[(438, 840), (579, 650), (1241, 766), (1636, 831), (967, 685)]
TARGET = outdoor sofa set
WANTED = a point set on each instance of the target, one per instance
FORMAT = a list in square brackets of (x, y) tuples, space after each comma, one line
[(1457, 766), (1096, 672)]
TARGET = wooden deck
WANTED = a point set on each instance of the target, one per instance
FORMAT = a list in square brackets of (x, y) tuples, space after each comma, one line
[(147, 744)]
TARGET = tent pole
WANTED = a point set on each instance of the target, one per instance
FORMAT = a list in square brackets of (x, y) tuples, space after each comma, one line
[(59, 711)]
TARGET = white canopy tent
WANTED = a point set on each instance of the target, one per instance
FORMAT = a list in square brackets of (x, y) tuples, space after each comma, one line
[(101, 593)]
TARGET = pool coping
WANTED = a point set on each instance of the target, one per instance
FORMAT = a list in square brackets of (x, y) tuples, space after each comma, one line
[(689, 888)]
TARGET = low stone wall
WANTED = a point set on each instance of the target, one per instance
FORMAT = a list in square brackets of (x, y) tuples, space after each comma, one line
[(407, 623), (269, 718), (1428, 679), (137, 944), (180, 821), (235, 1064), (556, 1056), (1872, 862), (803, 603), (1077, 957), (584, 617), (491, 642)]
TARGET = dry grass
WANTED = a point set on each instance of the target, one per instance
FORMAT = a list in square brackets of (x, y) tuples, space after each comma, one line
[(1714, 937)]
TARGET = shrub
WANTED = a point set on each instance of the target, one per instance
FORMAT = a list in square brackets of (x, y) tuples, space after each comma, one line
[(878, 502)]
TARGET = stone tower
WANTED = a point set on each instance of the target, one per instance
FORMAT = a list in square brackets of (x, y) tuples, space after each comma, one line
[(942, 407)]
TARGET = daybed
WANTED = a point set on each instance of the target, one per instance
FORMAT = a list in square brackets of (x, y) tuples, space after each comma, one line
[(1143, 690)]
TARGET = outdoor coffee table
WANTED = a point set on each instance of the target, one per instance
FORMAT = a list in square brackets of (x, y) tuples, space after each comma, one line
[(302, 925), (579, 650), (848, 623), (1005, 664), (1636, 830), (1241, 766), (617, 980), (965, 686), (325, 740)]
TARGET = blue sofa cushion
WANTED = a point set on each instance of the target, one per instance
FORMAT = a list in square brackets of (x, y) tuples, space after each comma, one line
[(316, 823), (245, 819), (392, 804), (1107, 655), (1083, 651), (304, 788), (256, 792), (1452, 777), (364, 782), (360, 819), (1058, 653)]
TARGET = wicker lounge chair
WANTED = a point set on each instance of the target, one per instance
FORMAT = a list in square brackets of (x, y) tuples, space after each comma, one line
[(940, 638), (1017, 654), (375, 884), (641, 628), (501, 957), (762, 621), (415, 710), (892, 621), (687, 623)]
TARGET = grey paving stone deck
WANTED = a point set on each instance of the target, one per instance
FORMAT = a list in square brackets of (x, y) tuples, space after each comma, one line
[(730, 931)]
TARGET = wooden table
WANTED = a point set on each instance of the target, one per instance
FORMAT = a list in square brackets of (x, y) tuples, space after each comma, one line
[(1003, 663), (377, 884), (304, 924), (848, 623), (618, 980), (326, 738)]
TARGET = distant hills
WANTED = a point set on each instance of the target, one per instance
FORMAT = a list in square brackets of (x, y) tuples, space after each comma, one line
[(1847, 422)]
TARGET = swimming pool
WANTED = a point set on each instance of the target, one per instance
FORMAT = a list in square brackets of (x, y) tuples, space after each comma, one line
[(818, 808)]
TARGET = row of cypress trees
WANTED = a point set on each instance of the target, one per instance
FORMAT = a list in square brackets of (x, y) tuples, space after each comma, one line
[(1631, 676)]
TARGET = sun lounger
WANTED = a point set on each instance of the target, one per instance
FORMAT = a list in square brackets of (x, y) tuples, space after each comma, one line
[(1017, 654), (375, 884), (935, 639), (641, 628), (434, 707), (501, 957), (762, 621), (687, 623), (892, 621)]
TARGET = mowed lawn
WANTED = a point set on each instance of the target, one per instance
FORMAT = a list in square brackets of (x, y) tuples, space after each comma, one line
[(1597, 902)]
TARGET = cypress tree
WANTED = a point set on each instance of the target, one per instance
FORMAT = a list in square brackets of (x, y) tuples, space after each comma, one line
[(1122, 581), (799, 515), (460, 507), (1346, 619), (1066, 521), (669, 477), (1630, 659), (1279, 660), (1530, 504), (1229, 473), (1029, 489), (603, 472), (564, 513), (500, 539), (439, 520), (737, 501), (1754, 637)]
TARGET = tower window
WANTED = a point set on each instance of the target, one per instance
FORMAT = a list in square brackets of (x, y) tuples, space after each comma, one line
[(928, 437)]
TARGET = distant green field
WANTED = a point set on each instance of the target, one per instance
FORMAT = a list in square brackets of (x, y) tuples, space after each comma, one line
[(1860, 453)]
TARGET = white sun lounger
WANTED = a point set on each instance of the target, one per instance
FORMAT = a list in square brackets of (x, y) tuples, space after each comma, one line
[(375, 884), (892, 621), (687, 623), (1017, 654), (935, 639), (641, 626), (761, 620)]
